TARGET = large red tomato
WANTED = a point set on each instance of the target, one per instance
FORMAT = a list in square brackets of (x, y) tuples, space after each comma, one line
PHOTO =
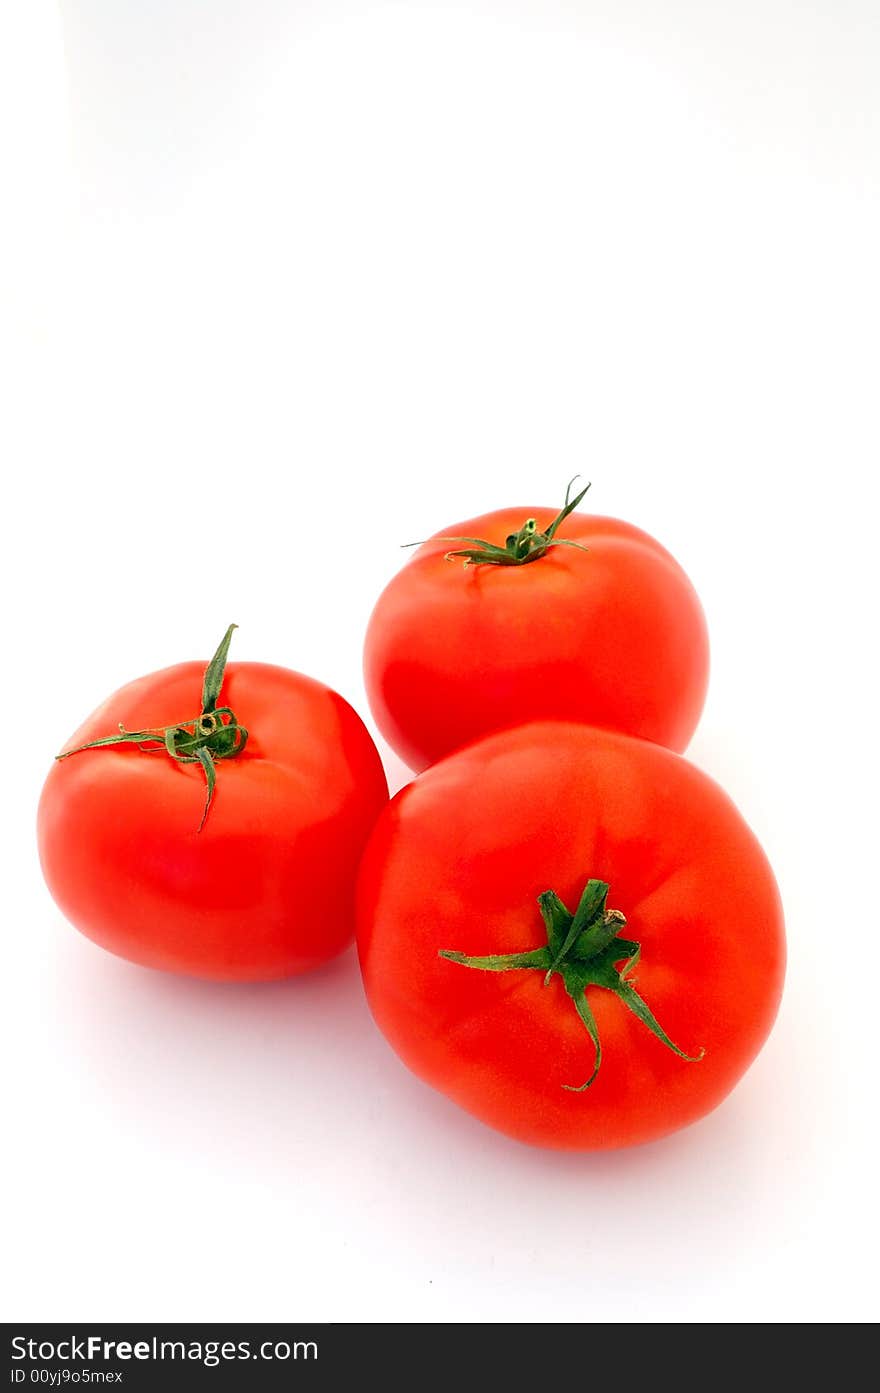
[(573, 617), (571, 933), (286, 790)]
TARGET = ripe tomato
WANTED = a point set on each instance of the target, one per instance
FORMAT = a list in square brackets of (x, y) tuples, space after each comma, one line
[(613, 635), (265, 887), (602, 1028)]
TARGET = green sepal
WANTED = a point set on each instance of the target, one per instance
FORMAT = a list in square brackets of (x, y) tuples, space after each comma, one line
[(568, 507), (556, 920), (590, 907), (215, 672), (640, 1009), (585, 949), (528, 544), (537, 957), (203, 755), (125, 737), (214, 734), (577, 990)]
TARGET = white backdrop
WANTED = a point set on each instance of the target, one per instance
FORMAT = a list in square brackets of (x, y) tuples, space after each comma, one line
[(288, 284)]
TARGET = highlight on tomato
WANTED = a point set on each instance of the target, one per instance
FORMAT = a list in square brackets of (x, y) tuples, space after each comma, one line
[(525, 615), (210, 820), (571, 933)]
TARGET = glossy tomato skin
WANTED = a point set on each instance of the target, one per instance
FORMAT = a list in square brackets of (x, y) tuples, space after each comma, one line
[(266, 889), (457, 861), (613, 637)]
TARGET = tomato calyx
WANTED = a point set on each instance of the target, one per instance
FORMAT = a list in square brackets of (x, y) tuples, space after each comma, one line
[(584, 948), (214, 734), (528, 544)]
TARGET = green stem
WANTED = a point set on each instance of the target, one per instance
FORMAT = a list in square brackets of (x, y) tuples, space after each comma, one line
[(528, 544), (584, 948), (214, 734)]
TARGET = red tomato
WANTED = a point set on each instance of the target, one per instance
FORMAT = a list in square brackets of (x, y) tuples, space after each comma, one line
[(613, 636), (456, 865), (265, 888)]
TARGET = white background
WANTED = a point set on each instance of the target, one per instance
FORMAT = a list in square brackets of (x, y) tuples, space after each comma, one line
[(288, 284)]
